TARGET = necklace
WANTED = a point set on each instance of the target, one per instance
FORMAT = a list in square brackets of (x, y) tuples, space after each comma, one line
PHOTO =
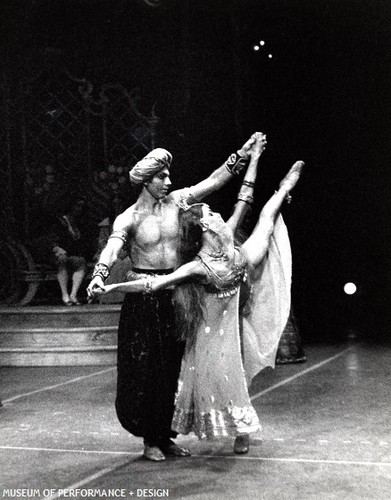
[(220, 254)]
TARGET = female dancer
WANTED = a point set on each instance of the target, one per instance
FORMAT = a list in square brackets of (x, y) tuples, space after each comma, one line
[(232, 304)]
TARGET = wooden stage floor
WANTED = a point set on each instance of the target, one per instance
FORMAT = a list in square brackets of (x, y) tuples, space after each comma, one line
[(326, 435)]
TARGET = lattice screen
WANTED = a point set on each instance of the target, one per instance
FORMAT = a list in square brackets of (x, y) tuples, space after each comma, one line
[(74, 139)]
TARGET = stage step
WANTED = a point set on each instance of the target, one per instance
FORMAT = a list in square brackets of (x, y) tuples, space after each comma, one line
[(59, 336)]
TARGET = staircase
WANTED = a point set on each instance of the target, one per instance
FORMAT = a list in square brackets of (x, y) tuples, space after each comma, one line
[(59, 336)]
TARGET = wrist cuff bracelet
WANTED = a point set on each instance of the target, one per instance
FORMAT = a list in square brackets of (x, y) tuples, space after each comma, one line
[(235, 163), (101, 270)]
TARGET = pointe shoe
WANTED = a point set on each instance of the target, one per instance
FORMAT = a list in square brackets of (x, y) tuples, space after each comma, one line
[(291, 178), (242, 444), (153, 453)]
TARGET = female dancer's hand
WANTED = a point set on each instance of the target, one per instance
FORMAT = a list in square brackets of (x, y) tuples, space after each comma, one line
[(245, 150), (259, 145), (126, 287)]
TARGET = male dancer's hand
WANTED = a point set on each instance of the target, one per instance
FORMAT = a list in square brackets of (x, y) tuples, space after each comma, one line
[(96, 287)]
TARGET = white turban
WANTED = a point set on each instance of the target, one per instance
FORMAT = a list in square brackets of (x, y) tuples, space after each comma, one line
[(151, 164)]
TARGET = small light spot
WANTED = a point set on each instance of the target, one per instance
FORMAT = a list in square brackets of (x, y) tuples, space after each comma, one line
[(207, 329), (221, 332), (350, 288), (212, 398)]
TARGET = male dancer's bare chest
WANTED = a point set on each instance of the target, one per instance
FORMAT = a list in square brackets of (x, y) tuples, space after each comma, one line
[(155, 240), (156, 228)]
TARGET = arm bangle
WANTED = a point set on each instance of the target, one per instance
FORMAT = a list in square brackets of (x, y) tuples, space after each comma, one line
[(101, 270), (246, 198), (148, 284), (235, 163), (122, 235), (248, 183)]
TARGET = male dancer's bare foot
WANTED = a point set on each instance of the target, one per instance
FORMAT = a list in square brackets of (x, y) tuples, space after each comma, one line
[(171, 448), (153, 453)]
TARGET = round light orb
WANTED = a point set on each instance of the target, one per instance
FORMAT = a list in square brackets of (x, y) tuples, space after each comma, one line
[(256, 47), (350, 288), (270, 56), (262, 42)]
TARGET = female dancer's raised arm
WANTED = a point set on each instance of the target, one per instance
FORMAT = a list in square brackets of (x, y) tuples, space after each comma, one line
[(246, 192)]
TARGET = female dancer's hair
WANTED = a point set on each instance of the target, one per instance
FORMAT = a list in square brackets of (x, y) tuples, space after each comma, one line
[(188, 297), (190, 233)]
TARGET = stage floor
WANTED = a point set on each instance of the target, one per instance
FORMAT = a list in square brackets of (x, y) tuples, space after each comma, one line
[(326, 435)]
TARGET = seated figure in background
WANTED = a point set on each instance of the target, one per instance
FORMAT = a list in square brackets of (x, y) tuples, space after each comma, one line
[(68, 251)]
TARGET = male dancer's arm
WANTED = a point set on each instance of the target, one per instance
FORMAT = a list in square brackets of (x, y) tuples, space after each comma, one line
[(110, 253), (221, 176)]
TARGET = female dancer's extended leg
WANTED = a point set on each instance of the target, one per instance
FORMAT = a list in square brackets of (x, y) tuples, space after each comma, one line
[(257, 244)]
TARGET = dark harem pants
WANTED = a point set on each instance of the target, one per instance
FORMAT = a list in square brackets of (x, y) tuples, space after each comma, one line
[(149, 361)]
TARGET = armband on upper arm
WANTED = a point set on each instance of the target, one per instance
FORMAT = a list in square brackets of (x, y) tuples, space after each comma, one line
[(122, 235)]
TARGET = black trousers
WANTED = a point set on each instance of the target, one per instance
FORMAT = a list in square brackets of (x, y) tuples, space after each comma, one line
[(149, 361)]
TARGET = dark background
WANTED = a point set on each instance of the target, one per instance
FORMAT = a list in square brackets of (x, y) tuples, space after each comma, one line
[(324, 97)]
